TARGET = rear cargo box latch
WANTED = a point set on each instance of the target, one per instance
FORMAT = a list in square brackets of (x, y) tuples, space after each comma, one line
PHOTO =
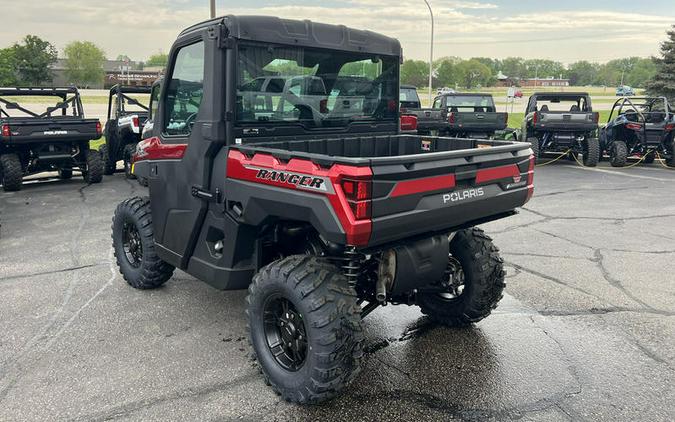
[(207, 195)]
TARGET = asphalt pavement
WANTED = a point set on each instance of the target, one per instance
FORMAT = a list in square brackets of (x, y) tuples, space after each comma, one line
[(586, 331)]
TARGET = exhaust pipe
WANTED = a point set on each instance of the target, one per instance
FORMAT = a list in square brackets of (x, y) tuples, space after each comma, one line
[(385, 275)]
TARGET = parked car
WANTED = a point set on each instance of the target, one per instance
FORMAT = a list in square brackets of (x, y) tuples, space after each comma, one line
[(322, 217), (518, 94), (562, 122), (625, 91), (639, 127), (56, 139), (461, 115), (127, 113)]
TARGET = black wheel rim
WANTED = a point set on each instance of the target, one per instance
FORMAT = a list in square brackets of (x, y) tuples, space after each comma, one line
[(285, 333), (131, 240), (454, 281)]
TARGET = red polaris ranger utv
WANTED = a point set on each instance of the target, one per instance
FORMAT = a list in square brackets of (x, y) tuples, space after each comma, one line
[(278, 167)]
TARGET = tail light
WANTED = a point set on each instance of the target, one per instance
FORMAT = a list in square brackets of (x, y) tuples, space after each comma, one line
[(408, 122), (451, 118), (535, 118), (6, 131), (99, 131), (530, 178), (669, 127), (135, 122), (323, 106), (358, 194), (634, 126), (596, 117)]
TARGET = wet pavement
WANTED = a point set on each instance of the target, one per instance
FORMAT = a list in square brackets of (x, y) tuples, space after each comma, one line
[(586, 331)]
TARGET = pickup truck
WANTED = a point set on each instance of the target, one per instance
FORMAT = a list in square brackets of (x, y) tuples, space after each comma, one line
[(461, 115), (562, 122), (408, 98), (322, 214), (37, 137)]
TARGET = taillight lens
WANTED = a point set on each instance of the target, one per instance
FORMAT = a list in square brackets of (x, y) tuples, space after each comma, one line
[(530, 178), (358, 194), (634, 126), (535, 118), (669, 127), (408, 122), (98, 128), (135, 122), (451, 118), (6, 131)]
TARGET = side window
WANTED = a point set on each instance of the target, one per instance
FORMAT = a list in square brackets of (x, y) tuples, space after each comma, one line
[(154, 100), (185, 90)]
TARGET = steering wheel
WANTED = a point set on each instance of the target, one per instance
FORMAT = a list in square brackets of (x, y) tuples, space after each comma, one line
[(190, 121)]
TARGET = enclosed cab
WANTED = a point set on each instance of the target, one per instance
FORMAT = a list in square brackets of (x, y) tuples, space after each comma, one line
[(278, 166), (562, 123)]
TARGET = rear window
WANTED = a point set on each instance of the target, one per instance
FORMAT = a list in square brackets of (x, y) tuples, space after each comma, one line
[(470, 103), (39, 106), (409, 94), (563, 105)]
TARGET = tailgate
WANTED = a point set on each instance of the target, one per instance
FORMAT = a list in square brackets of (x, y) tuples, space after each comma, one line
[(434, 195), (428, 118), (477, 121), (567, 121), (41, 130)]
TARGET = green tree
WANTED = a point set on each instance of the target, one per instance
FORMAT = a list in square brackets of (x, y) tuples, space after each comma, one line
[(84, 63), (539, 68), (446, 72), (7, 67), (514, 68), (33, 59), (415, 72), (582, 73), (159, 59), (495, 65), (663, 81), (471, 73)]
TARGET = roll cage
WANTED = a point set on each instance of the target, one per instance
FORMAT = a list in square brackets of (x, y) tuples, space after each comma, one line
[(637, 107), (68, 96), (120, 93), (582, 99)]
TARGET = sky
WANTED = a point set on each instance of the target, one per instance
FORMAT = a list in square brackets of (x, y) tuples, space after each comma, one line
[(562, 30)]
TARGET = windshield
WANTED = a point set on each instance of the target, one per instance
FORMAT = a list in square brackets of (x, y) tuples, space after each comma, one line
[(314, 87), (39, 106), (468, 103)]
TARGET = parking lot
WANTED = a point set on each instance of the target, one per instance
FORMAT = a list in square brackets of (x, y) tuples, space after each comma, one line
[(585, 332)]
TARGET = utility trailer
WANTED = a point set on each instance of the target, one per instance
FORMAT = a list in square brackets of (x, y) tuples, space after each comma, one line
[(316, 204), (57, 138)]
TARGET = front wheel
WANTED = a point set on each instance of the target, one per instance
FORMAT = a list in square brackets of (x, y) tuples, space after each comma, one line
[(134, 245), (109, 164), (305, 328), (93, 173), (591, 152), (474, 283)]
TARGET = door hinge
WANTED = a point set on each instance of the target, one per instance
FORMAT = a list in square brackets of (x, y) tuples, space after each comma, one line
[(207, 195)]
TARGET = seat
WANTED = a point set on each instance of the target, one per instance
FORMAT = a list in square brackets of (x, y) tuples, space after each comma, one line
[(454, 109), (479, 110), (544, 108), (574, 108)]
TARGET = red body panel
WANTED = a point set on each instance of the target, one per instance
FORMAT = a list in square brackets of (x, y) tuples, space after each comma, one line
[(409, 187)]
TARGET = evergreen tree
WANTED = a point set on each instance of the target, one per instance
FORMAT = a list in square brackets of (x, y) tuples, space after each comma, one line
[(663, 82)]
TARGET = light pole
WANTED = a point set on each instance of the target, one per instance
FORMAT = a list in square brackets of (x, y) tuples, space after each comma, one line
[(431, 52), (213, 9)]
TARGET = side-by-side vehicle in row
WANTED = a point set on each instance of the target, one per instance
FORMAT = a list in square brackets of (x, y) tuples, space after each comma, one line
[(36, 139)]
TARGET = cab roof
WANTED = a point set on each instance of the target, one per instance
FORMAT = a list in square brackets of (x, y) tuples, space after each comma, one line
[(303, 33)]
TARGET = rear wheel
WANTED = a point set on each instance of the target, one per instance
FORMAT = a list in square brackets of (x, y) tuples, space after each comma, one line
[(93, 173), (108, 164), (534, 144), (670, 158), (618, 154), (134, 246), (305, 328), (12, 172), (474, 284), (591, 152)]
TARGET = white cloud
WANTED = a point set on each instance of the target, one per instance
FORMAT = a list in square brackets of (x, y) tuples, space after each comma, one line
[(463, 28)]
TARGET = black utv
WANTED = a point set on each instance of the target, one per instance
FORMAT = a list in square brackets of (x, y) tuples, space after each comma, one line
[(277, 165), (562, 123), (44, 129), (641, 127), (127, 113)]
